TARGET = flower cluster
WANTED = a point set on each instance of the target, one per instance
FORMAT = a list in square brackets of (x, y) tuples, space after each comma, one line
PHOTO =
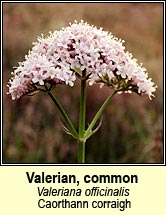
[(57, 58)]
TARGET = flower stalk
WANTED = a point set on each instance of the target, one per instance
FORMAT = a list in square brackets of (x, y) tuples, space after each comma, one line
[(81, 151), (89, 131), (70, 127), (82, 118)]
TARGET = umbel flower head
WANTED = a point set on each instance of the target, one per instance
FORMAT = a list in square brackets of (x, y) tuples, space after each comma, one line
[(57, 58)]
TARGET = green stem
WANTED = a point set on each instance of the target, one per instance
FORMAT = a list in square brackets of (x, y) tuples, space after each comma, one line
[(82, 105), (98, 114), (68, 122), (82, 116), (81, 151)]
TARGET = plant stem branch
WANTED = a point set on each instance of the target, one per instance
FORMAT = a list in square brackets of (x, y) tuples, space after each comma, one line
[(67, 121), (82, 117), (98, 114)]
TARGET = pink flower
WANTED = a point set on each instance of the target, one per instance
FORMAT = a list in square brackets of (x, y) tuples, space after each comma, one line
[(53, 60)]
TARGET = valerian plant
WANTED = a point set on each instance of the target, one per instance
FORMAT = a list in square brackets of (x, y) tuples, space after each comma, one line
[(85, 52)]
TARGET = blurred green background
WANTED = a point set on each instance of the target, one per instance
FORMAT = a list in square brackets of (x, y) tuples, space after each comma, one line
[(132, 126)]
